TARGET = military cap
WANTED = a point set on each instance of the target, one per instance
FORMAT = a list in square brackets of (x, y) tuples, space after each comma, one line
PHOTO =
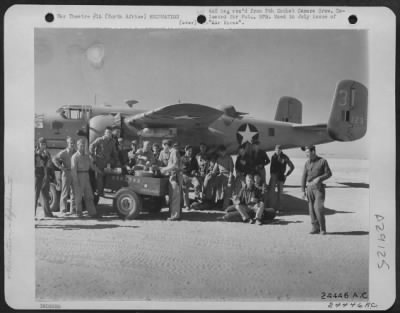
[(278, 147)]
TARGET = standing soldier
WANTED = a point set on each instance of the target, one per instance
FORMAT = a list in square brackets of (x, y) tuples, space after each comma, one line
[(203, 163), (62, 160), (242, 168), (223, 173), (259, 160), (165, 152), (316, 170), (116, 134), (173, 169), (80, 165), (42, 164), (279, 161), (103, 152)]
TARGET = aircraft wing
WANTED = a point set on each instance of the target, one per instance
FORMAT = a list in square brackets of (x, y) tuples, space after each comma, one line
[(176, 115), (311, 127)]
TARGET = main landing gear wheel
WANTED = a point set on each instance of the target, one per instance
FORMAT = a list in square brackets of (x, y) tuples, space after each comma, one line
[(54, 198)]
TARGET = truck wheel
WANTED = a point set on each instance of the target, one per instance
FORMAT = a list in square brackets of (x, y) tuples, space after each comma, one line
[(155, 204), (127, 203), (54, 198)]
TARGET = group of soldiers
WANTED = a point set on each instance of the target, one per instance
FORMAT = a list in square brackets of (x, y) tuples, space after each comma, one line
[(240, 188)]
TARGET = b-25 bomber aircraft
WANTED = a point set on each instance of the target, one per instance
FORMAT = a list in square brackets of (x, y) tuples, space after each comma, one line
[(190, 123)]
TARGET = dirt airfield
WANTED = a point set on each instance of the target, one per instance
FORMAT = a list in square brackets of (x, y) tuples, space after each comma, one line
[(200, 258)]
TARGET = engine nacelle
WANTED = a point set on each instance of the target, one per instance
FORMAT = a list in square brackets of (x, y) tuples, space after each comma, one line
[(98, 124)]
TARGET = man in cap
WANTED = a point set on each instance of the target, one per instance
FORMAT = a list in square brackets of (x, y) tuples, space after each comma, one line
[(80, 165), (42, 164), (279, 161), (316, 170), (62, 160), (103, 152), (173, 169)]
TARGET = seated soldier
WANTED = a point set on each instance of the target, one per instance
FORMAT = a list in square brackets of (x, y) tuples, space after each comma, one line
[(145, 157), (269, 212), (208, 188), (190, 170), (248, 202), (131, 157), (203, 163), (156, 150)]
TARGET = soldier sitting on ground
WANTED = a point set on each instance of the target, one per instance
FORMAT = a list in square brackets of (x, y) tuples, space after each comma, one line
[(249, 202)]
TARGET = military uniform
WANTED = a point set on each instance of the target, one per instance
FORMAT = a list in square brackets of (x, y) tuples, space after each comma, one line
[(80, 165), (223, 180), (316, 191), (251, 201), (163, 158), (142, 157), (260, 159), (189, 171), (42, 164), (277, 179), (64, 158), (173, 168), (103, 151)]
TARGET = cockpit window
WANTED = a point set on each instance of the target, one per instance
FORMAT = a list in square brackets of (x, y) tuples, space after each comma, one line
[(75, 114), (63, 115)]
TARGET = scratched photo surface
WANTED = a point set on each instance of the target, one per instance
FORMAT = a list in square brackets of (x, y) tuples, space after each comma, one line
[(83, 73)]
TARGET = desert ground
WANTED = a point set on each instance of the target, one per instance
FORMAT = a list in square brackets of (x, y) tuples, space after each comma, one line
[(200, 258)]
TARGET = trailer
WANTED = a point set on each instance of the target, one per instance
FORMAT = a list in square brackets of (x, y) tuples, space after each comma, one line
[(133, 194)]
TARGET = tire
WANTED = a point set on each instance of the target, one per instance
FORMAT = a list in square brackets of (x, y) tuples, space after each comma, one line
[(154, 204), (128, 204), (54, 198)]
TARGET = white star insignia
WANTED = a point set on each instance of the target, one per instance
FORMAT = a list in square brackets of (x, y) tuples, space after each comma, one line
[(247, 134)]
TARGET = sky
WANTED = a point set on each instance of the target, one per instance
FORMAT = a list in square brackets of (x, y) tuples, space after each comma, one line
[(250, 69)]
